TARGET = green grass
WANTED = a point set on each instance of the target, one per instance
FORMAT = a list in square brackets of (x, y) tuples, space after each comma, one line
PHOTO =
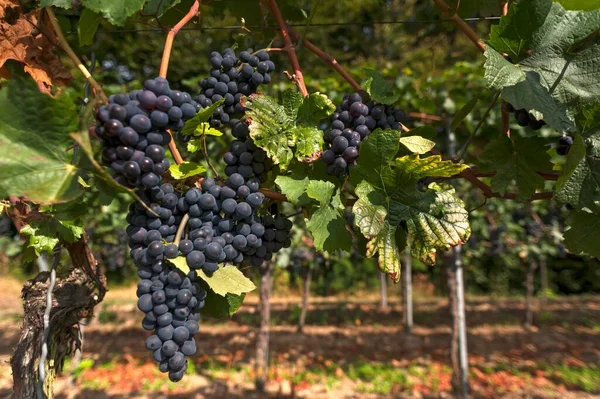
[(107, 317), (380, 378), (83, 365), (584, 378)]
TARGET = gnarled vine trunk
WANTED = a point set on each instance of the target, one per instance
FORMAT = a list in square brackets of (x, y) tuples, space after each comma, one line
[(74, 297)]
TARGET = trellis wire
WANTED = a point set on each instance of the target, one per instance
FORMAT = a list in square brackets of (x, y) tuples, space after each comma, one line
[(316, 24), (44, 353)]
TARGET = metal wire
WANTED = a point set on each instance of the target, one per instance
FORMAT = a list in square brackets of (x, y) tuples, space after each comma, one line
[(316, 24)]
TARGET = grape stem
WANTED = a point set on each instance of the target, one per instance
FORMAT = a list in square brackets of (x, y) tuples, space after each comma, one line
[(173, 148), (487, 191), (424, 116), (205, 152), (64, 44), (164, 63), (275, 196), (326, 58), (289, 46), (460, 23), (181, 229)]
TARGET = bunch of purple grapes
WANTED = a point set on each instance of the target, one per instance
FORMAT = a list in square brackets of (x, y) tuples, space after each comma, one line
[(231, 78), (133, 128), (244, 157), (170, 301), (353, 121), (564, 145), (523, 117)]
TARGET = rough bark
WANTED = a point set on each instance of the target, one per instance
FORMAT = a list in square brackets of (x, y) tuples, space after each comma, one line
[(305, 299), (262, 341), (75, 295), (407, 302)]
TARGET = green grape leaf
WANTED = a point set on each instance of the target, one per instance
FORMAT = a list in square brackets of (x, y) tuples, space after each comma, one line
[(582, 234), (380, 90), (523, 89), (294, 188), (87, 27), (44, 233), (517, 159), (195, 145), (417, 144), (291, 100), (375, 154), (115, 11), (56, 3), (227, 280), (327, 223), (463, 112), (389, 253), (191, 126), (34, 136), (309, 141), (583, 5), (579, 184), (270, 128), (314, 108), (416, 168), (387, 193), (514, 34), (181, 264), (588, 119), (428, 132), (185, 170), (158, 7), (328, 228), (321, 191), (368, 216), (37, 243), (560, 71), (82, 182), (218, 307), (204, 129)]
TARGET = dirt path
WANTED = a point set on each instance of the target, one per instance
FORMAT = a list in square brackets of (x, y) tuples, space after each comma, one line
[(349, 350)]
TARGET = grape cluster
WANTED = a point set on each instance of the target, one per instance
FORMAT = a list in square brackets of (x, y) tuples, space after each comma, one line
[(524, 118), (133, 130), (171, 302), (244, 157), (231, 78), (206, 225), (352, 122), (496, 243), (533, 229), (564, 145)]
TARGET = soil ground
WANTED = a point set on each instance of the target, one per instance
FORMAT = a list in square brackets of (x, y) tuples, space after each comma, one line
[(349, 349)]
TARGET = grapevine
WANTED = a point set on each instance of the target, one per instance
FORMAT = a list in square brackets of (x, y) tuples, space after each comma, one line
[(354, 171)]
